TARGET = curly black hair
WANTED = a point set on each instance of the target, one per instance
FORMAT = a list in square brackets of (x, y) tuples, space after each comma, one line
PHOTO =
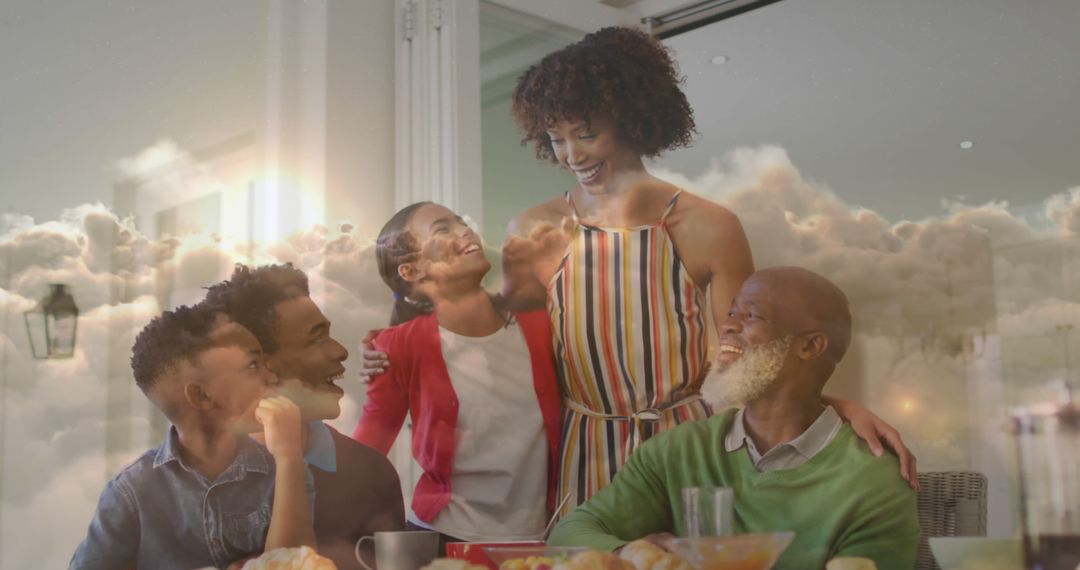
[(181, 334), (620, 72), (250, 296)]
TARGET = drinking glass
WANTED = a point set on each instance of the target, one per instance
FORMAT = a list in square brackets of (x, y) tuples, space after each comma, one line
[(708, 511), (1048, 452)]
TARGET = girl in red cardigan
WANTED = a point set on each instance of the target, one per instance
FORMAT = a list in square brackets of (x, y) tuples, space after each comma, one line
[(478, 381)]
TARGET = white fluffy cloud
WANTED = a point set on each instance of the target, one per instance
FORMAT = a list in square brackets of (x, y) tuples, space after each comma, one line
[(906, 277), (1064, 210), (957, 315), (58, 412), (922, 290)]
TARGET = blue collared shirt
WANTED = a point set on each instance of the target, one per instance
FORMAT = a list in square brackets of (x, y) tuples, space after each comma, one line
[(321, 451), (161, 513)]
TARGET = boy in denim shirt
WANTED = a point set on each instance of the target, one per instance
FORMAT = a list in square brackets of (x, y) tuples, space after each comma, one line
[(209, 495)]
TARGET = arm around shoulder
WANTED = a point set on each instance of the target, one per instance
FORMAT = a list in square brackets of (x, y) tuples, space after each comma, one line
[(386, 403)]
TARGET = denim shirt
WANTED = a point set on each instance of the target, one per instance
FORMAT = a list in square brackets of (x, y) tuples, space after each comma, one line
[(160, 513)]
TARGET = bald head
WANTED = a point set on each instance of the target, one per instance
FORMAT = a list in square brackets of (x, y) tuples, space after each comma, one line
[(806, 301)]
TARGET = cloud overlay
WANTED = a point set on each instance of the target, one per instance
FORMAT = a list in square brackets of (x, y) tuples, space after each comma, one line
[(948, 310)]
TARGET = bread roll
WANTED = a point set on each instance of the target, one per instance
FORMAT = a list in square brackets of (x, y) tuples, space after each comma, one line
[(850, 563), (303, 558), (595, 560), (645, 555)]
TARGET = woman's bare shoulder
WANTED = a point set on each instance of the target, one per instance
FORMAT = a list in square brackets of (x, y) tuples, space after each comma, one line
[(705, 214), (719, 241)]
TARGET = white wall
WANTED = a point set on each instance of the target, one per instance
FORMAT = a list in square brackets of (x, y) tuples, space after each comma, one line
[(313, 82), (360, 114)]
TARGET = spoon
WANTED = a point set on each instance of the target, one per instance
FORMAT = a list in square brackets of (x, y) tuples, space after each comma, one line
[(554, 517)]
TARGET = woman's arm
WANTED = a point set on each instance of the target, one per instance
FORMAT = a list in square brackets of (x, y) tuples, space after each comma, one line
[(730, 261), (872, 430), (730, 264), (291, 523)]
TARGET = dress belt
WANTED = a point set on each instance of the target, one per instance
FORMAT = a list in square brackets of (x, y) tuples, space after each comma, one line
[(636, 419)]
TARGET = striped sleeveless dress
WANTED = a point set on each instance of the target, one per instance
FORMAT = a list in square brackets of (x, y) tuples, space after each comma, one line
[(630, 341)]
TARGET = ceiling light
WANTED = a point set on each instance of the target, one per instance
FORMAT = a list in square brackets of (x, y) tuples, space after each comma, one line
[(720, 59), (967, 144)]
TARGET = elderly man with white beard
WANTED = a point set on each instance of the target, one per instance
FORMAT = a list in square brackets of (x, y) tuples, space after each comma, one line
[(792, 463)]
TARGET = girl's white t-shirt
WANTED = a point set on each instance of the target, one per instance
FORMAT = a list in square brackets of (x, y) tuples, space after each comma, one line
[(499, 479)]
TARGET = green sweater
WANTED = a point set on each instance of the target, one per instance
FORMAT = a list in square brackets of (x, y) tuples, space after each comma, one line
[(843, 502)]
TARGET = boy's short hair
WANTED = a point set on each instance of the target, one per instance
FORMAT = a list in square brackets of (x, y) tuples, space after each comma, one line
[(179, 335), (250, 296)]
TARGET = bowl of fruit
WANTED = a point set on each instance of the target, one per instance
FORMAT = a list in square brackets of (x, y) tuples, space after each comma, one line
[(741, 552), (473, 552), (539, 557)]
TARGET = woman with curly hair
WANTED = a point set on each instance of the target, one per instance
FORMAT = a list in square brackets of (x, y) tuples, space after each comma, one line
[(624, 260)]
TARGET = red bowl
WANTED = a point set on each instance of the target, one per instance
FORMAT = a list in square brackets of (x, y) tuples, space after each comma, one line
[(473, 552)]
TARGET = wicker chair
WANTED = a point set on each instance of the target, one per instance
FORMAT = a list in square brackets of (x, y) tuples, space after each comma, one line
[(951, 503)]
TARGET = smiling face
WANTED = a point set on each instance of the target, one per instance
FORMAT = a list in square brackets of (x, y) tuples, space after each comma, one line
[(787, 325), (755, 347), (755, 318), (234, 377), (449, 249), (308, 360), (788, 301), (592, 151)]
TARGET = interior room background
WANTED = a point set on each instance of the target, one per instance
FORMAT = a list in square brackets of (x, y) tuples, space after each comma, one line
[(922, 154)]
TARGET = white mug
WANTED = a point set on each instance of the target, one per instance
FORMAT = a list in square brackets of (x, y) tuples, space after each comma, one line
[(401, 550)]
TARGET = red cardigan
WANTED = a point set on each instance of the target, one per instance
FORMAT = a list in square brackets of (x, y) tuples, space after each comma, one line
[(417, 383)]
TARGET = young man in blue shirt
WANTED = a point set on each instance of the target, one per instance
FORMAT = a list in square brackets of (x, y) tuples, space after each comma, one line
[(357, 490)]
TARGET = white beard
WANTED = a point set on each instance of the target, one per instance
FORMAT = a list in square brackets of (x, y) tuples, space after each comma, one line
[(748, 377)]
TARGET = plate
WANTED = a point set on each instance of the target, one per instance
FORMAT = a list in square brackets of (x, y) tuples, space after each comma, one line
[(971, 552)]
